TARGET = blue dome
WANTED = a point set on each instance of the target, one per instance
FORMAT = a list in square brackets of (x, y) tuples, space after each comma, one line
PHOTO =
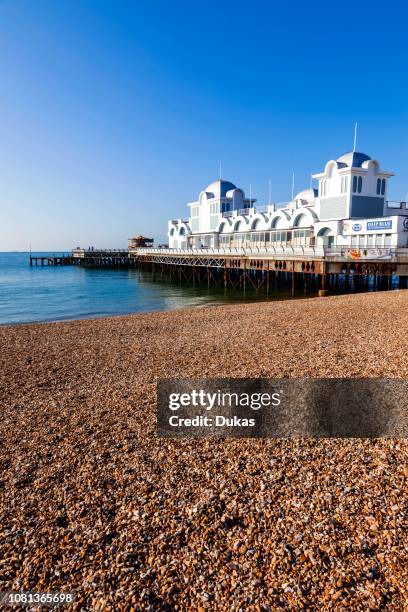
[(353, 159)]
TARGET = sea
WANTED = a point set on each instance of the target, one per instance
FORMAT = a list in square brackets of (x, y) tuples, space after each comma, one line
[(48, 293)]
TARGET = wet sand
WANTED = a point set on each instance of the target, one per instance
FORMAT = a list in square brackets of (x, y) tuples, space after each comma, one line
[(93, 502)]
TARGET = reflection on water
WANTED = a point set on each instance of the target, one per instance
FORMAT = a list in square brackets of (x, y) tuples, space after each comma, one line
[(69, 292)]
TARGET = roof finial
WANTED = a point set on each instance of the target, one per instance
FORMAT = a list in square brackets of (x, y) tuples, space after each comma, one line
[(355, 137)]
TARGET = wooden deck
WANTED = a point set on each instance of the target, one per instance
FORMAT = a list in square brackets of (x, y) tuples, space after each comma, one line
[(60, 260)]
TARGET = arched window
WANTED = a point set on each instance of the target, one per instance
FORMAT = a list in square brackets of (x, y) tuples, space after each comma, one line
[(360, 184), (378, 186), (383, 187), (354, 184), (344, 184)]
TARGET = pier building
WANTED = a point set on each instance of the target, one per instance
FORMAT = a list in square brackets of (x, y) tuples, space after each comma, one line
[(348, 207), (343, 233)]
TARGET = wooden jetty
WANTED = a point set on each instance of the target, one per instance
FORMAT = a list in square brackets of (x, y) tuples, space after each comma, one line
[(60, 260), (101, 258)]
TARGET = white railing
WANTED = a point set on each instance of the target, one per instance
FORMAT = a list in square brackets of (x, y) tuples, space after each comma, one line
[(265, 208), (246, 211), (312, 251), (396, 205), (343, 252)]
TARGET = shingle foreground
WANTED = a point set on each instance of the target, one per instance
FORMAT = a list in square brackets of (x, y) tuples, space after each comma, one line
[(93, 501)]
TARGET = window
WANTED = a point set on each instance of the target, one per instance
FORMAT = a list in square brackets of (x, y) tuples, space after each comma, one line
[(370, 240), (387, 240), (378, 186), (323, 188), (360, 184), (357, 184), (378, 240), (344, 184), (354, 240), (214, 208), (383, 187), (194, 211)]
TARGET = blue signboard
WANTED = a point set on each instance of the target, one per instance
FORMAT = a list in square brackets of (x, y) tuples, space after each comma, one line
[(379, 225)]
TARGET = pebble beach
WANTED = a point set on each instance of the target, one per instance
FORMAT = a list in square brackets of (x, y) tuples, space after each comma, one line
[(92, 501)]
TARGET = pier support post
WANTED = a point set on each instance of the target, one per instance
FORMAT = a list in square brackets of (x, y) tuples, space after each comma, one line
[(323, 291)]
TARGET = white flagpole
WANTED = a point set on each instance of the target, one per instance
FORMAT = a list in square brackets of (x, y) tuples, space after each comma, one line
[(355, 137), (250, 195)]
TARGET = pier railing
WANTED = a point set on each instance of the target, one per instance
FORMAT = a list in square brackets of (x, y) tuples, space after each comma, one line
[(333, 253), (253, 210), (315, 251)]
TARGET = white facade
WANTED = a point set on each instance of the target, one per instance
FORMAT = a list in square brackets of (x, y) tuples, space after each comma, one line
[(349, 208)]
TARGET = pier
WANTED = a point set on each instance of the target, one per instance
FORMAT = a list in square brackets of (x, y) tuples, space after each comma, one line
[(101, 258), (311, 268), (319, 270), (60, 260)]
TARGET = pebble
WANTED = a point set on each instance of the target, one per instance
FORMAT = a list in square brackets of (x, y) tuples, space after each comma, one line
[(93, 501)]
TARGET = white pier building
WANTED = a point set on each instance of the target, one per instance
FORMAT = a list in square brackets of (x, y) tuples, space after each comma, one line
[(349, 209)]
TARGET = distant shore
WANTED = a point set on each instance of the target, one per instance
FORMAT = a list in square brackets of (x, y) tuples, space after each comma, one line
[(95, 503)]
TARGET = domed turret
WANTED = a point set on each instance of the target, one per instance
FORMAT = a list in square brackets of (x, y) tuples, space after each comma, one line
[(353, 159), (219, 188)]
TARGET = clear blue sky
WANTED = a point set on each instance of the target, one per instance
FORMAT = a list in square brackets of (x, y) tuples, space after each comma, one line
[(114, 115)]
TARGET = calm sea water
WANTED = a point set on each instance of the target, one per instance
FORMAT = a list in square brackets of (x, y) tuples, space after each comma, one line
[(70, 292)]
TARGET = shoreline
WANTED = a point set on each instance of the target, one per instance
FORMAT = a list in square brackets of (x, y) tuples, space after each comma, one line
[(244, 302), (96, 503)]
